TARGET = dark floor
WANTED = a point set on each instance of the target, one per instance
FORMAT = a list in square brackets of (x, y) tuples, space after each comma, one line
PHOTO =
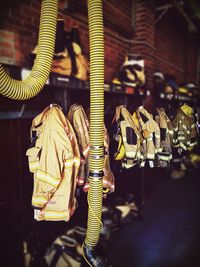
[(168, 236)]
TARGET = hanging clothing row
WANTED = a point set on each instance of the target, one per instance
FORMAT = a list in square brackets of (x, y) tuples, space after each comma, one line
[(59, 152), (146, 139)]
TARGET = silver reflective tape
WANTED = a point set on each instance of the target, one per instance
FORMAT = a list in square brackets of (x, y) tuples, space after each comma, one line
[(181, 138)]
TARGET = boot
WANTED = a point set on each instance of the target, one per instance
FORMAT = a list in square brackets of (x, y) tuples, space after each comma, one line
[(93, 259), (63, 252)]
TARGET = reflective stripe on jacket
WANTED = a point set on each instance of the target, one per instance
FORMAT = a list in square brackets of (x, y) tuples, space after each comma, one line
[(54, 159)]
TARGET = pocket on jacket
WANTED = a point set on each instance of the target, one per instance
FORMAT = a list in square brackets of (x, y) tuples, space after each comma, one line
[(163, 134), (33, 154), (131, 136)]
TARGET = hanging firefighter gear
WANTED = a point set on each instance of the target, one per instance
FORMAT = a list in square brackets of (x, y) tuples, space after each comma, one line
[(131, 72), (80, 122), (108, 178), (73, 62), (68, 57), (151, 136), (166, 137), (54, 159), (185, 128), (128, 138)]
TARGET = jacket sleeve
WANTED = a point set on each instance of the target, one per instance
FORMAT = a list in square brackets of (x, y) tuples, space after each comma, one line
[(50, 169), (157, 138), (175, 124)]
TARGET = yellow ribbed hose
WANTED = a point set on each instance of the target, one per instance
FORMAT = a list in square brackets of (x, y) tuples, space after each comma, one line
[(96, 39), (32, 85)]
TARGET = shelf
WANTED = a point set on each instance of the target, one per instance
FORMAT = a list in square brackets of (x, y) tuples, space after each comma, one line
[(59, 89), (71, 82), (179, 97), (14, 115), (186, 98)]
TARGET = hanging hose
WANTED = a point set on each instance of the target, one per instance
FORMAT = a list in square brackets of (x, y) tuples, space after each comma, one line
[(95, 193), (32, 85), (96, 120)]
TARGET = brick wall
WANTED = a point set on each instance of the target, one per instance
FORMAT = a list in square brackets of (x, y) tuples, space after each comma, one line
[(171, 46), (166, 46), (143, 42), (192, 58), (175, 50), (18, 30)]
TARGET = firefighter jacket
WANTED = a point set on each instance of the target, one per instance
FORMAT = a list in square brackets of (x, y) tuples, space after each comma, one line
[(79, 120), (128, 138), (80, 123), (185, 128), (166, 135), (54, 160), (151, 135), (108, 179)]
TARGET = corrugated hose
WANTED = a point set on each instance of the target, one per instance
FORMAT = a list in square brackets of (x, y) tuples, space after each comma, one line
[(95, 193), (33, 84)]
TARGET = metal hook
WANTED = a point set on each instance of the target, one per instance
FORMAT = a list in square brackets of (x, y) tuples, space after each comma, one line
[(21, 112)]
